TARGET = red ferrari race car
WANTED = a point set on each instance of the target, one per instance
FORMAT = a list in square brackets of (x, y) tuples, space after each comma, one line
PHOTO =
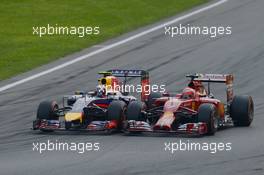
[(194, 111), (99, 110)]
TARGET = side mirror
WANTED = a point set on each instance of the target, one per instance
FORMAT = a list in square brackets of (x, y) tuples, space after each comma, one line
[(92, 93), (79, 93)]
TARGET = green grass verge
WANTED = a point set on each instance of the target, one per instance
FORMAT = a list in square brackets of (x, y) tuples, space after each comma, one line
[(21, 51)]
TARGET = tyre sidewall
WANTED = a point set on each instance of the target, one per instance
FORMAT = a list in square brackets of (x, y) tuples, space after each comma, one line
[(116, 110), (46, 110), (207, 113)]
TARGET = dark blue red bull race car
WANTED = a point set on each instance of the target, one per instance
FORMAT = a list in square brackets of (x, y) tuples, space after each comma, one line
[(103, 109)]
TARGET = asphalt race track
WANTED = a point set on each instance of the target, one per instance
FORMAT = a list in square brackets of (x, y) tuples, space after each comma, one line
[(168, 60)]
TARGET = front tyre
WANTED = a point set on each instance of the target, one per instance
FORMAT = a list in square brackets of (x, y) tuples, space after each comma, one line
[(242, 110), (134, 111), (116, 110), (207, 113), (47, 110)]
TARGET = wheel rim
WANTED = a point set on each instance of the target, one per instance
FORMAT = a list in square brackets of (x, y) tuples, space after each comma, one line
[(251, 111), (214, 121)]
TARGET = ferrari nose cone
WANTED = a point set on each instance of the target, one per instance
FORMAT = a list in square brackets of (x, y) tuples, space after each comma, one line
[(165, 122)]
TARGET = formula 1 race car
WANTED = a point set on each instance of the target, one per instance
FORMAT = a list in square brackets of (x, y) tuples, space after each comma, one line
[(99, 110), (194, 111)]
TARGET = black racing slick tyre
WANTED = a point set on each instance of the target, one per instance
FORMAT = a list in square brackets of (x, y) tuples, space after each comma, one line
[(242, 110), (47, 110), (134, 111), (116, 110), (152, 98), (207, 113)]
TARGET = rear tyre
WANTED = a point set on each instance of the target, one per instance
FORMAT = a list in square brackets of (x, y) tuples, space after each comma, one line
[(152, 98), (47, 110), (242, 110), (134, 111), (116, 110), (207, 114)]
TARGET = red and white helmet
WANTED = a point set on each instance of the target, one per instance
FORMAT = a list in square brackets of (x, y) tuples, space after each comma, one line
[(188, 93)]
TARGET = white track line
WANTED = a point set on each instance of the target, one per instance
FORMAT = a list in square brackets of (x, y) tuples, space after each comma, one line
[(78, 59)]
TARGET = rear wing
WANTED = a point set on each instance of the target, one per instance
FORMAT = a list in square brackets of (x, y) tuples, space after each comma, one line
[(217, 78), (144, 75), (127, 73)]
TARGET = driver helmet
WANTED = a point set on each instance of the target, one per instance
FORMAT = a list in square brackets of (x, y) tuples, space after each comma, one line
[(188, 93), (111, 83)]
